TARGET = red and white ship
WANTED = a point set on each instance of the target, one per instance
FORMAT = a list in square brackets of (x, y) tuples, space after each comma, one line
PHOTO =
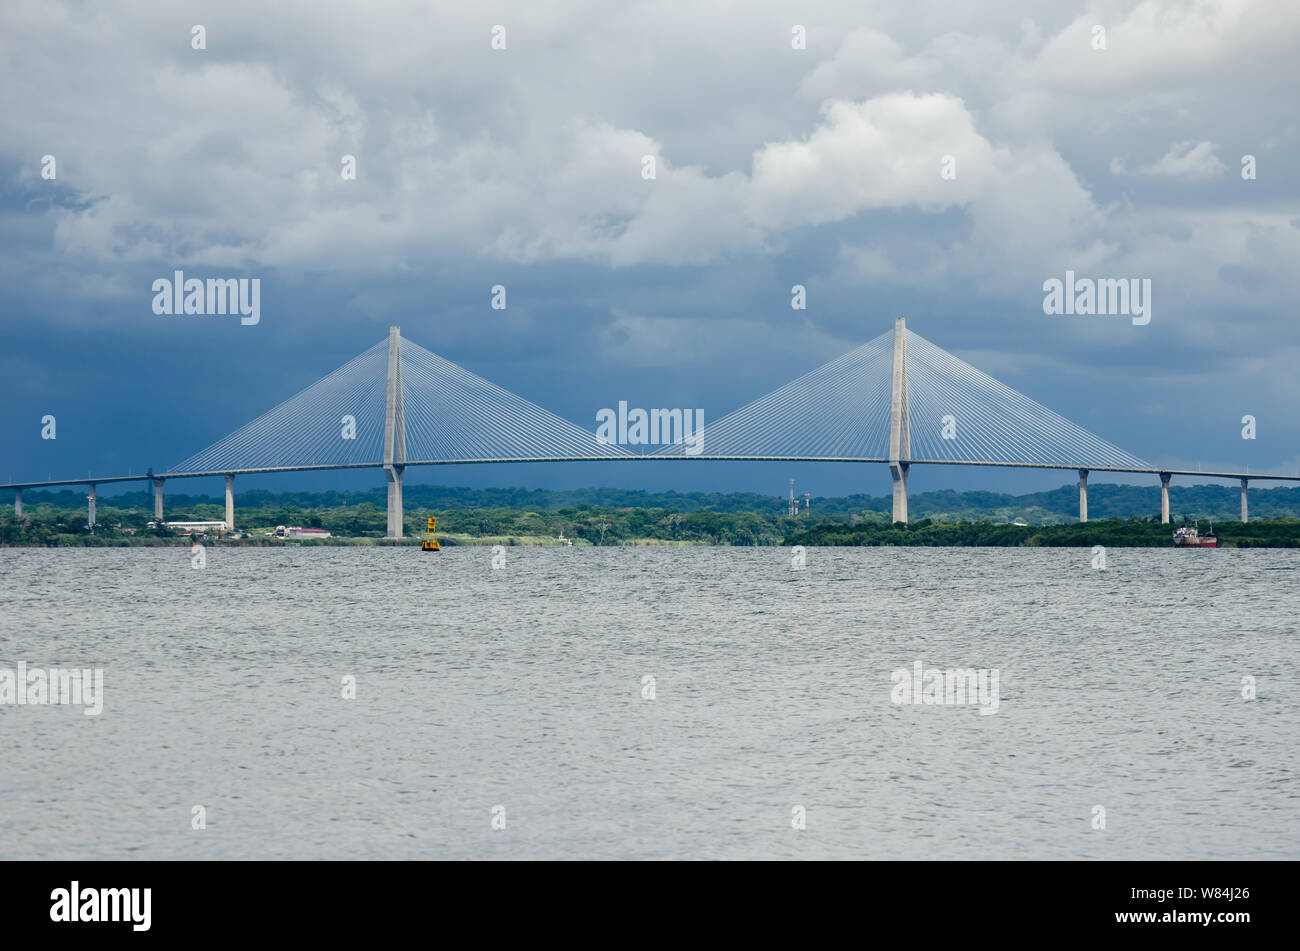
[(1191, 537)]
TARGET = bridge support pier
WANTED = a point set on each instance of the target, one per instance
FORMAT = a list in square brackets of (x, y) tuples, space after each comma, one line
[(899, 472), (1164, 497), (90, 499), (1083, 495), (157, 500), (18, 503), (394, 474), (1244, 483), (230, 503)]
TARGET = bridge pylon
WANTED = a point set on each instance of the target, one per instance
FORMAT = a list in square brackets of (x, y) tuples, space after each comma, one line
[(900, 440), (394, 434)]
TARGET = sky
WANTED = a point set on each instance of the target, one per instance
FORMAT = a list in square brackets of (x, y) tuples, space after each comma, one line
[(525, 167)]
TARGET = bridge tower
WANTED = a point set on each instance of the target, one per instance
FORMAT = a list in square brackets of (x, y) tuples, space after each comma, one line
[(900, 440), (394, 434)]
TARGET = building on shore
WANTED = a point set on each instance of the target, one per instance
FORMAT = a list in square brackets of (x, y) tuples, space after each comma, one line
[(293, 531), (192, 528)]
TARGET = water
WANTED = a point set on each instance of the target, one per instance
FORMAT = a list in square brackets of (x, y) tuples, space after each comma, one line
[(522, 688)]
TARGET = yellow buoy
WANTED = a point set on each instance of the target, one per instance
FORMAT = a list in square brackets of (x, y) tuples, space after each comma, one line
[(430, 543)]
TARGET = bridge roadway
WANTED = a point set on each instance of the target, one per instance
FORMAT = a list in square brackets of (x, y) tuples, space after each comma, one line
[(229, 474)]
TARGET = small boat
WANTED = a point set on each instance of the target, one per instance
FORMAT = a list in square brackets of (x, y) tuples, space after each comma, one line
[(1191, 537), (565, 541)]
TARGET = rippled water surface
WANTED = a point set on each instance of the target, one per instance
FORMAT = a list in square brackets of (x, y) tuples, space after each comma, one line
[(523, 688)]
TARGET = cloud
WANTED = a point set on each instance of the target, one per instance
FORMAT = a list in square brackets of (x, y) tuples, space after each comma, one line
[(883, 153), (774, 166), (1193, 161), (868, 63), (233, 158)]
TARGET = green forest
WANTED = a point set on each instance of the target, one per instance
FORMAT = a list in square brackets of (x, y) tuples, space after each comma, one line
[(1121, 515), (1111, 532)]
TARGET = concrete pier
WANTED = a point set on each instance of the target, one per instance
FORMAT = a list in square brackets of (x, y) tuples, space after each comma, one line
[(90, 499), (1164, 497), (1244, 483), (157, 500), (900, 439), (394, 434), (1083, 495), (899, 472), (18, 503), (394, 474), (230, 503)]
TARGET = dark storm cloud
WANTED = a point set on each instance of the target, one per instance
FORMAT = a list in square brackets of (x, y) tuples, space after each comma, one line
[(523, 167)]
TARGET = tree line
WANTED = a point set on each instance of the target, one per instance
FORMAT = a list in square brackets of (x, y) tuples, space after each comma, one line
[(1112, 532)]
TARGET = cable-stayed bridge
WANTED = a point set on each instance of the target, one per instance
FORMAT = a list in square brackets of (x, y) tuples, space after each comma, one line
[(897, 400)]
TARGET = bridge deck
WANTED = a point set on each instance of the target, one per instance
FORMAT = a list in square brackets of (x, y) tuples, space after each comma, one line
[(630, 457)]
